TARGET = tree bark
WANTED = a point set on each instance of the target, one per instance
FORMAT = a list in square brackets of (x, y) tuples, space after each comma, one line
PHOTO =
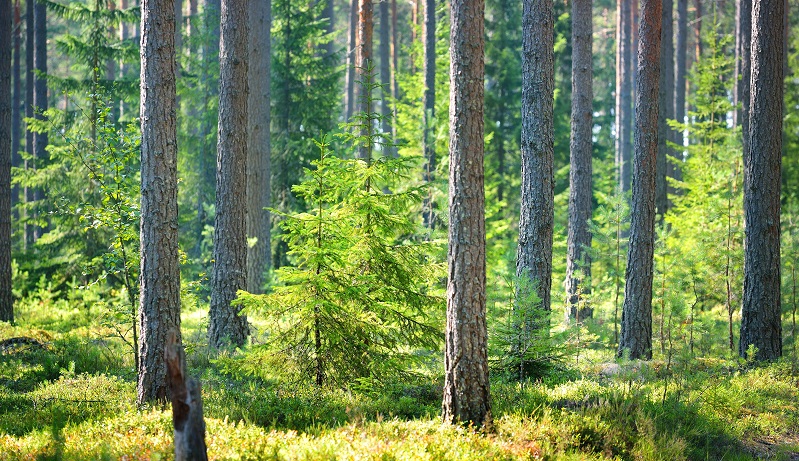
[(29, 104), (623, 93), (230, 229), (385, 76), (187, 405), (580, 188), (259, 163), (329, 15), (16, 106), (743, 68), (159, 312), (39, 98), (636, 320), (665, 107), (349, 103), (466, 384), (6, 299), (534, 253), (364, 74), (429, 109), (761, 324), (681, 61)]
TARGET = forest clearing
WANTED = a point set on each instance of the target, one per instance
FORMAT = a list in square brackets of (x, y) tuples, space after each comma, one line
[(399, 230)]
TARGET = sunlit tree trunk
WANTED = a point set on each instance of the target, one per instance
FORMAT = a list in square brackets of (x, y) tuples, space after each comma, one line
[(665, 106), (534, 253), (259, 164), (761, 324), (226, 324), (580, 189), (159, 312), (636, 320), (466, 385), (364, 74), (29, 103), (429, 108), (349, 102)]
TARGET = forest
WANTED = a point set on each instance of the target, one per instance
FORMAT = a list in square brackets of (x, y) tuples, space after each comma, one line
[(399, 230)]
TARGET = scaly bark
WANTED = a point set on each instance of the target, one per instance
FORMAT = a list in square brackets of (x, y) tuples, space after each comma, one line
[(761, 324), (534, 253), (580, 171), (466, 384), (230, 227), (159, 312), (636, 319), (6, 299)]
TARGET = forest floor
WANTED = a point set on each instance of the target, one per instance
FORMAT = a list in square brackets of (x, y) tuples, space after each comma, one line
[(70, 395)]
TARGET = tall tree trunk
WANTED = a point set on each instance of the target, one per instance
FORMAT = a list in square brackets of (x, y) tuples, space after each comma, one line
[(466, 384), (29, 104), (230, 228), (349, 102), (743, 67), (40, 98), (665, 106), (259, 149), (623, 92), (629, 91), (761, 324), (698, 29), (207, 162), (580, 189), (429, 109), (534, 254), (385, 74), (16, 106), (636, 320), (159, 312), (6, 299), (365, 73), (681, 48), (329, 14), (394, 59)]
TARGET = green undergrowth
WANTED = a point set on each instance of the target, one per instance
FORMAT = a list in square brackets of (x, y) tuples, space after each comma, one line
[(72, 398)]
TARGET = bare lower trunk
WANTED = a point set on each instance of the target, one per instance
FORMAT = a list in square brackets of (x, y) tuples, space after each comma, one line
[(636, 320), (364, 72), (259, 165), (226, 324), (159, 312), (534, 254), (665, 108), (6, 299), (761, 323), (580, 190), (429, 109), (466, 384)]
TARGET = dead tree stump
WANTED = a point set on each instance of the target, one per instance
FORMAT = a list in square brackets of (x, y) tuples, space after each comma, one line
[(187, 405)]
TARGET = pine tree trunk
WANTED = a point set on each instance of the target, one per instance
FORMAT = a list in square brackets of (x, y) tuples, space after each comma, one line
[(363, 72), (230, 227), (534, 254), (207, 161), (328, 14), (681, 48), (466, 384), (39, 98), (385, 73), (349, 103), (6, 299), (623, 92), (259, 163), (698, 29), (636, 320), (159, 312), (760, 317), (743, 67), (16, 107), (29, 103), (429, 109), (665, 107), (394, 60), (580, 188)]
